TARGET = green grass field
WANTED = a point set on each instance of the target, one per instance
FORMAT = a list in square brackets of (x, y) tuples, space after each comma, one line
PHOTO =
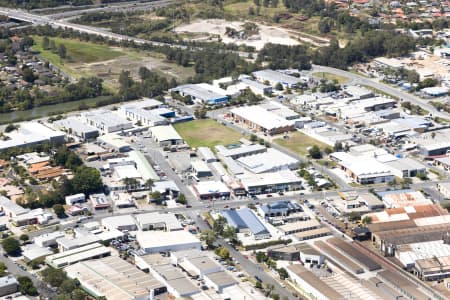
[(242, 7), (77, 51), (299, 142), (207, 133), (332, 77)]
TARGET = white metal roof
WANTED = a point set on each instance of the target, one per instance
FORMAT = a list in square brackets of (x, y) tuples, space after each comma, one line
[(261, 117), (156, 239), (127, 171), (208, 187), (165, 133), (13, 207), (29, 133), (270, 160), (169, 219), (270, 178), (276, 76), (367, 167), (117, 221), (77, 254), (200, 166)]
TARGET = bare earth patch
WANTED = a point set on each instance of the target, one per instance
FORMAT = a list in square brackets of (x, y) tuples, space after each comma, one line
[(267, 34), (109, 70)]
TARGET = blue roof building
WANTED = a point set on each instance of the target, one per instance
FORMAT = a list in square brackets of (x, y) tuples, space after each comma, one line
[(244, 220), (202, 93), (279, 208)]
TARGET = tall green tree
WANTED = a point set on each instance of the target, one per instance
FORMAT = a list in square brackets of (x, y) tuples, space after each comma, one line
[(11, 245), (62, 51), (26, 286)]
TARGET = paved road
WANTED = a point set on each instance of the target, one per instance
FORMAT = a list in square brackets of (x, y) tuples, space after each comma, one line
[(253, 269), (113, 7), (35, 19), (250, 268), (358, 79), (338, 180), (13, 269)]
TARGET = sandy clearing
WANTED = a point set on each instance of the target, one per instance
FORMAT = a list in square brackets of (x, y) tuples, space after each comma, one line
[(267, 34)]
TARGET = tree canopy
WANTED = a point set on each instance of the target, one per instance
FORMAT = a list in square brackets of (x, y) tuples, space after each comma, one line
[(11, 245)]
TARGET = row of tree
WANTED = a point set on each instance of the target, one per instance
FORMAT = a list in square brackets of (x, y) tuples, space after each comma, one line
[(210, 62), (151, 84), (362, 49), (285, 57), (29, 97), (48, 44)]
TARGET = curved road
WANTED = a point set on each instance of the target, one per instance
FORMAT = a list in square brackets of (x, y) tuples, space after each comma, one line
[(358, 79)]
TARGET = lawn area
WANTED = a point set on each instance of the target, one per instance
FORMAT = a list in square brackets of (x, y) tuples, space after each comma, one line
[(207, 133), (240, 8), (77, 51), (298, 142), (329, 76)]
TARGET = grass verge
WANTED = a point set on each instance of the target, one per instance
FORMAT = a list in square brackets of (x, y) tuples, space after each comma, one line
[(332, 77), (380, 92)]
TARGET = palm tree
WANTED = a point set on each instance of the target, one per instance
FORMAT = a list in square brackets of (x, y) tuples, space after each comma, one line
[(130, 183)]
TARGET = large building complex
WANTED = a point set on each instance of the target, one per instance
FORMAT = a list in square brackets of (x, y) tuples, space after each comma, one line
[(115, 279), (31, 134), (202, 93), (75, 126), (166, 241), (261, 120), (276, 77), (106, 121), (166, 136)]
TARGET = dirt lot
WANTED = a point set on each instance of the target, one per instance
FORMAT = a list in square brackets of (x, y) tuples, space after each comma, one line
[(267, 34), (109, 70)]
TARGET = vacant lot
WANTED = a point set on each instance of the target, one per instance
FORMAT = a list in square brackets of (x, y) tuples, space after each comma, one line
[(299, 142), (89, 59), (207, 133), (77, 51), (266, 34), (332, 77)]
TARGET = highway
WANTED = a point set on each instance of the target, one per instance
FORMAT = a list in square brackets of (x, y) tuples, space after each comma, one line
[(35, 19), (112, 7), (40, 20), (396, 92)]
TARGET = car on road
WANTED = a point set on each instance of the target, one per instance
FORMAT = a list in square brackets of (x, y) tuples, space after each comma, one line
[(226, 206)]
